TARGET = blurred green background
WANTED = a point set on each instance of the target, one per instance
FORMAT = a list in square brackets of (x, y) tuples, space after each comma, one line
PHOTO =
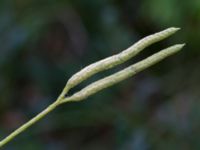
[(44, 42)]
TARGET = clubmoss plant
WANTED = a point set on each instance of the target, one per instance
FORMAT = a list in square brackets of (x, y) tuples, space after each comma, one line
[(108, 81)]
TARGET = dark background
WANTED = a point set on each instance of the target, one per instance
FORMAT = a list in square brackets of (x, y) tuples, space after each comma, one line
[(44, 42)]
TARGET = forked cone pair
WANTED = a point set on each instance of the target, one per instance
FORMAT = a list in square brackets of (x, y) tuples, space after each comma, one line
[(108, 81)]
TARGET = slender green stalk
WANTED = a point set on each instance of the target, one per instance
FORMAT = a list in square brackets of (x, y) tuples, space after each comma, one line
[(29, 123), (107, 81)]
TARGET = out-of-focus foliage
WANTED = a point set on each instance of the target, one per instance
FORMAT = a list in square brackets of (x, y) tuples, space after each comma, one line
[(42, 43)]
